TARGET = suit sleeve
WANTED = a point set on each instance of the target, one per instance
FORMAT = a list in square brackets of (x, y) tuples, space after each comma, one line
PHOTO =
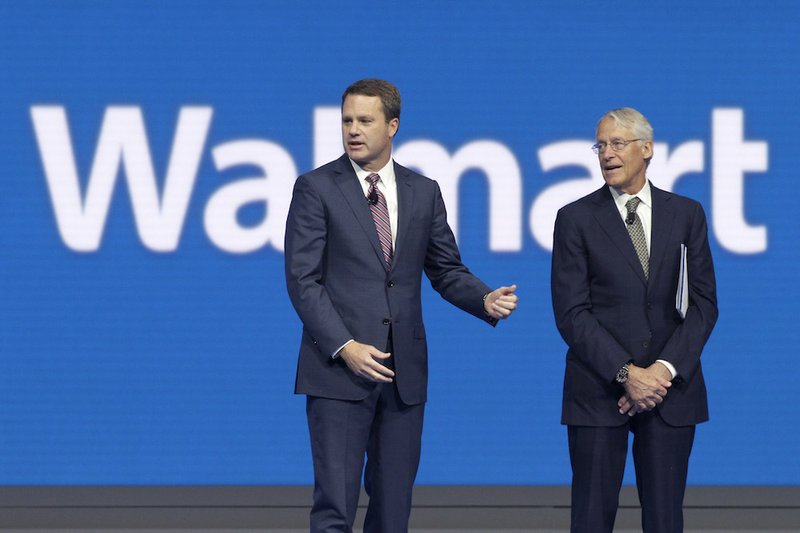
[(305, 251), (587, 339), (443, 266), (684, 347)]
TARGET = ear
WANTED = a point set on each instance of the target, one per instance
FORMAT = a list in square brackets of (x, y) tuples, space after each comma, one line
[(647, 149), (394, 125)]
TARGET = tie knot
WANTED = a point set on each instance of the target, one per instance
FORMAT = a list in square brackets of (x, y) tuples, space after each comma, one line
[(373, 178), (632, 204)]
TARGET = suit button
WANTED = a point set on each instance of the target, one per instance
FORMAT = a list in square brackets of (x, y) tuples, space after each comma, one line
[(386, 321), (645, 344), (390, 284), (649, 305)]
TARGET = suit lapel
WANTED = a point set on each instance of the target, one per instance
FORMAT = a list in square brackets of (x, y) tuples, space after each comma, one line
[(347, 181), (405, 200), (663, 218), (608, 217)]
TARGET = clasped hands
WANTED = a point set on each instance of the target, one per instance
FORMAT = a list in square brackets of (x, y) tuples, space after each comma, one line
[(645, 388)]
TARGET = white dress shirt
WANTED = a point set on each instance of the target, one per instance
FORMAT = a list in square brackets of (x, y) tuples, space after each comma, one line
[(645, 212), (644, 209), (388, 187)]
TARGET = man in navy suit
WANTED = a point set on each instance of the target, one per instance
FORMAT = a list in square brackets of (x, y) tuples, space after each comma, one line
[(361, 231), (633, 363)]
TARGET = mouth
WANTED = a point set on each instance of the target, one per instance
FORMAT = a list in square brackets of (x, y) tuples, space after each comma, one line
[(354, 145), (611, 168)]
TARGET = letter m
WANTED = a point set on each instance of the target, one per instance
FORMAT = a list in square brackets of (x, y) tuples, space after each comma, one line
[(122, 143)]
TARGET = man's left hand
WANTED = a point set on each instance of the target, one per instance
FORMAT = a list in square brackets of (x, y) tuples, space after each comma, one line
[(628, 406), (501, 302)]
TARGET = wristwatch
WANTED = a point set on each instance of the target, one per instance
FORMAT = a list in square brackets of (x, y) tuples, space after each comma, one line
[(622, 373)]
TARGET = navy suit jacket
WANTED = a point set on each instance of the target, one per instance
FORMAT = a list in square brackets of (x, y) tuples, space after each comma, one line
[(609, 313), (341, 288)]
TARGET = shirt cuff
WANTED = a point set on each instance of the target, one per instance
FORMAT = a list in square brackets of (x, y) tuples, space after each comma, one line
[(335, 355), (669, 367)]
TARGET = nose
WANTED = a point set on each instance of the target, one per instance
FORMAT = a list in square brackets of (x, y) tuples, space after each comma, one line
[(353, 130)]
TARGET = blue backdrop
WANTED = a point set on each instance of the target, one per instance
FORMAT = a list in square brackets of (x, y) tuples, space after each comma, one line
[(148, 151)]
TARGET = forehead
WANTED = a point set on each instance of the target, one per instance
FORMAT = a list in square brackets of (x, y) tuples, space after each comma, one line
[(609, 129), (360, 104)]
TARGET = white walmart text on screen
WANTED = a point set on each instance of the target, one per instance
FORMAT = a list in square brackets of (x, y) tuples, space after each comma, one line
[(123, 145)]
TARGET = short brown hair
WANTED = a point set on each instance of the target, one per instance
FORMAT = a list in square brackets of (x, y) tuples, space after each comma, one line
[(388, 93)]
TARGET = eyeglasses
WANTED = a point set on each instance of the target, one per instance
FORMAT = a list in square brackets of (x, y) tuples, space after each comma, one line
[(617, 145)]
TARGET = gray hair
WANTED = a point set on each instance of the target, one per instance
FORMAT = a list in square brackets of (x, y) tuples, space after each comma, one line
[(627, 117)]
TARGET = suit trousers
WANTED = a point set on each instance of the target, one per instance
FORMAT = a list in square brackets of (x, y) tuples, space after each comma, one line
[(389, 432), (661, 459)]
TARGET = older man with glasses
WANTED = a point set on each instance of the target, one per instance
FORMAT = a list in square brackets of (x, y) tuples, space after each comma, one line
[(634, 297)]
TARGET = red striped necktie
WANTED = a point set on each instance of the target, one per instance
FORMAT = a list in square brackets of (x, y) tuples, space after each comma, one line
[(380, 215)]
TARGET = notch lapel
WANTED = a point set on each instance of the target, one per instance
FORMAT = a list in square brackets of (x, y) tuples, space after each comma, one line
[(663, 218), (405, 201), (609, 219), (347, 181)]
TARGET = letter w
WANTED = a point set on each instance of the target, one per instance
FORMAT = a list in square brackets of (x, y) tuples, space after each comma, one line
[(122, 142)]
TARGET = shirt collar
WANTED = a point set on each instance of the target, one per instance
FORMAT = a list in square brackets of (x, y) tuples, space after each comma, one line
[(386, 173), (621, 198)]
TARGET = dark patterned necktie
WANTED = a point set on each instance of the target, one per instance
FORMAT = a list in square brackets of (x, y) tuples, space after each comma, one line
[(636, 231), (380, 215)]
